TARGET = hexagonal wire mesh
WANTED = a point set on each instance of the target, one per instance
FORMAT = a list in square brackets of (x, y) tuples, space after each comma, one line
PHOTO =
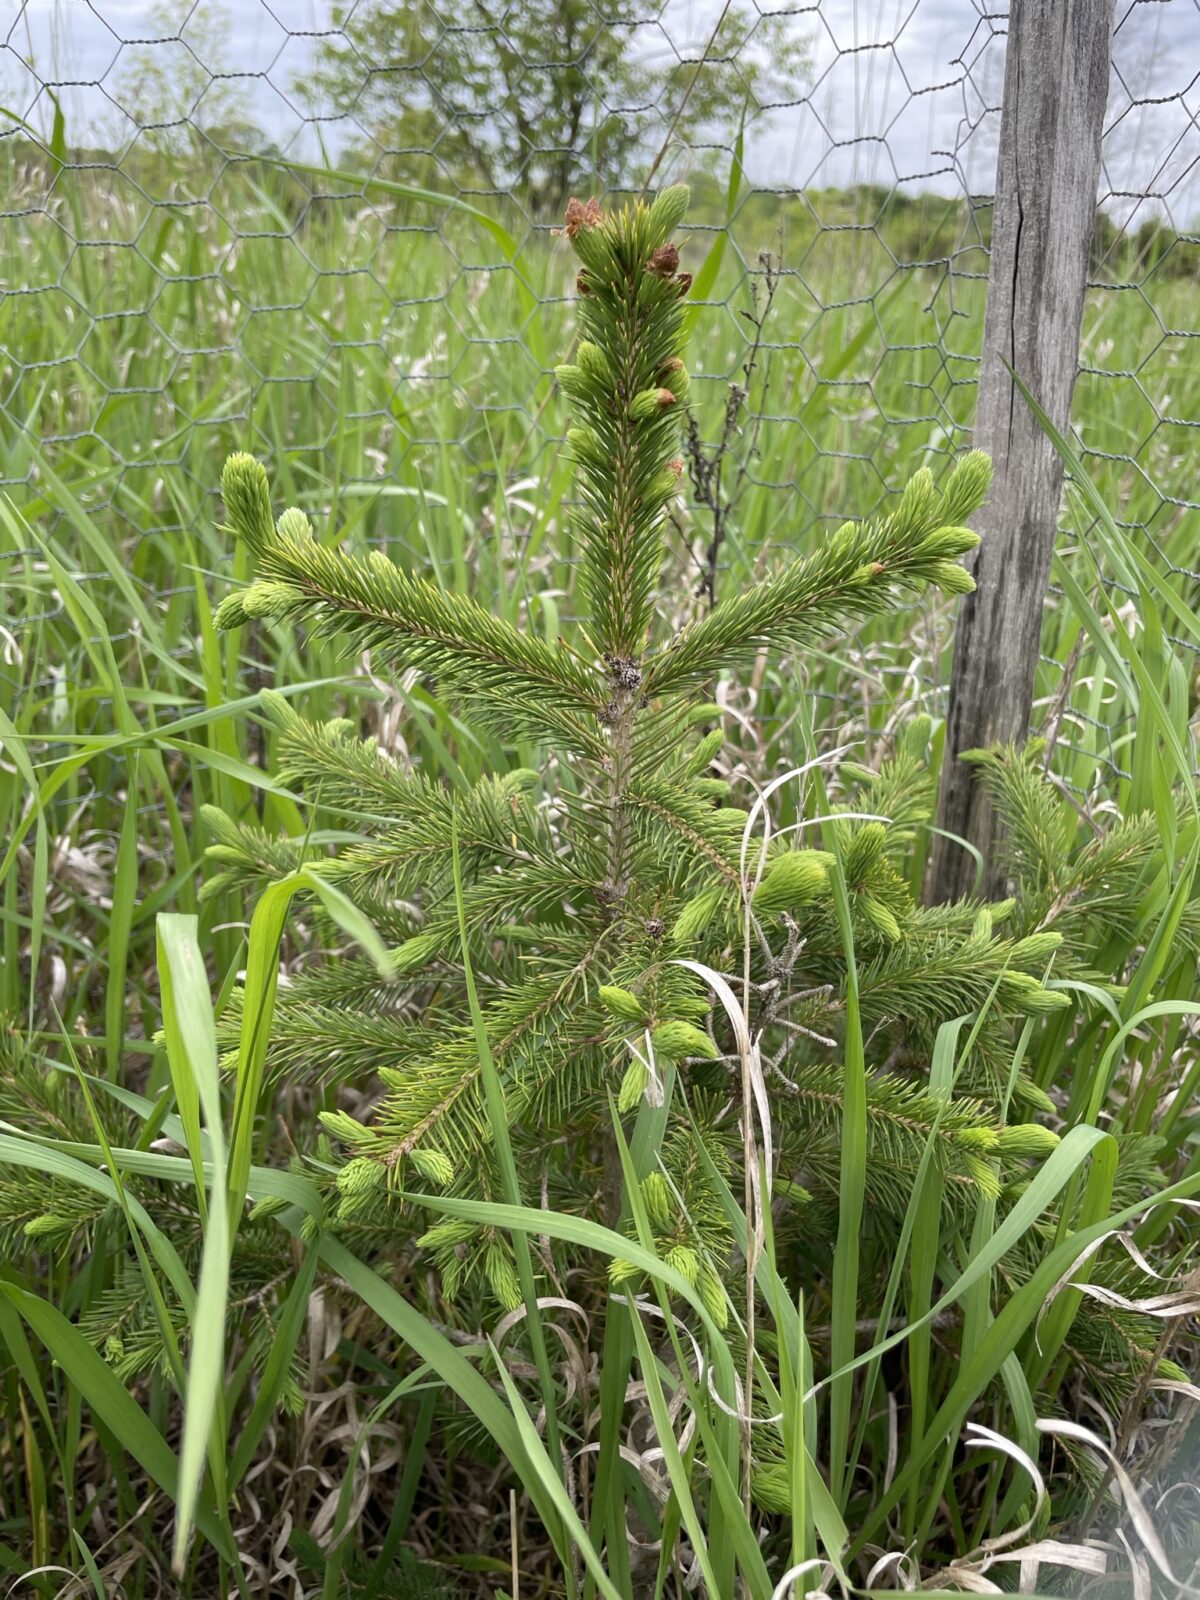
[(175, 284)]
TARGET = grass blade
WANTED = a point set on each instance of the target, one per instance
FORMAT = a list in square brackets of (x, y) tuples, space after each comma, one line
[(192, 1035), (112, 1403)]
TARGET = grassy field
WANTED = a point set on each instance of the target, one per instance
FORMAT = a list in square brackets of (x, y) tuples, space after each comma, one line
[(392, 361), (393, 365)]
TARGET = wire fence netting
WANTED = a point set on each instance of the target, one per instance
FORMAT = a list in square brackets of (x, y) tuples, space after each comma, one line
[(181, 274)]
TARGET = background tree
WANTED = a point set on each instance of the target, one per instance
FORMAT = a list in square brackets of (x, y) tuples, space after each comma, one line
[(544, 98), (182, 84)]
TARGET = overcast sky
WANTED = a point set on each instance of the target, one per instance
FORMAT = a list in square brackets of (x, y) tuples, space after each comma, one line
[(901, 90)]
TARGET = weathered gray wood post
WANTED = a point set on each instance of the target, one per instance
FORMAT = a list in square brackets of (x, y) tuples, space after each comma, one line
[(1055, 91)]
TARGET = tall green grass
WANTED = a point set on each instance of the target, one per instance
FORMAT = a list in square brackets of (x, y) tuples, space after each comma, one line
[(366, 343), (1006, 1368), (389, 355)]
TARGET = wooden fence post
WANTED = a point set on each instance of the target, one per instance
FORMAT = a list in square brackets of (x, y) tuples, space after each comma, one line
[(1055, 92)]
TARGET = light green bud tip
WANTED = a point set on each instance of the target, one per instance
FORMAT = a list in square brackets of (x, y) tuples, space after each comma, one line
[(1036, 948), (1029, 995), (967, 486), (651, 403), (275, 706), (520, 781), (1033, 1095), (791, 881), (502, 1276), (593, 363), (658, 1199), (574, 381), (586, 446), (293, 524), (622, 1272), (712, 1292), (621, 1003), (341, 1125), (685, 1261), (948, 542), (984, 1178), (433, 1165), (709, 711), (665, 484), (708, 748), (880, 917), (360, 1175), (40, 1227), (231, 613), (865, 851), (1028, 1139), (633, 1086), (951, 578), (696, 916), (680, 1040), (414, 953), (247, 499), (918, 498), (668, 211), (267, 599), (978, 1139), (219, 824)]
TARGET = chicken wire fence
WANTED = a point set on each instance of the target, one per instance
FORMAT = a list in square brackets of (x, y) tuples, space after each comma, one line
[(181, 275)]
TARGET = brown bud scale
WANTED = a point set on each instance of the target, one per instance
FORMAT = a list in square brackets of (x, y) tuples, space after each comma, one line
[(582, 214)]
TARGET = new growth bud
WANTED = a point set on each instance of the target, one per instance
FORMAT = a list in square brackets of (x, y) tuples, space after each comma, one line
[(680, 1040), (951, 578), (573, 381), (1027, 1139), (650, 402), (667, 212), (621, 1003), (633, 1085), (248, 501), (266, 599), (967, 487), (791, 881), (949, 541), (359, 1176), (696, 916), (657, 1198), (593, 363), (293, 524), (413, 953)]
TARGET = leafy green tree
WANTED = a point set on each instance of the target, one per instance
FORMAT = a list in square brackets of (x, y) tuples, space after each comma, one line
[(542, 98), (182, 82)]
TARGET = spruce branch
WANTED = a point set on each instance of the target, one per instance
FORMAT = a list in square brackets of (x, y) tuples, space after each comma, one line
[(530, 1029), (249, 855), (861, 571), (404, 621), (497, 827), (711, 837)]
